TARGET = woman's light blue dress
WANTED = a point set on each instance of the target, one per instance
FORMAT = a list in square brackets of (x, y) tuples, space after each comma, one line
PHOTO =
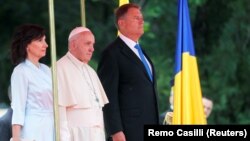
[(32, 101)]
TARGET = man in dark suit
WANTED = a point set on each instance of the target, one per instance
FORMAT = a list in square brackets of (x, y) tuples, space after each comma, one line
[(128, 77)]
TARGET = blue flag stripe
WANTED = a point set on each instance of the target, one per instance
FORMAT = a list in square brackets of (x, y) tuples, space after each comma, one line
[(185, 36)]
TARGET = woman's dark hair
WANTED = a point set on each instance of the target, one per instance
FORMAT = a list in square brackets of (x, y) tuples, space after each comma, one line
[(24, 35)]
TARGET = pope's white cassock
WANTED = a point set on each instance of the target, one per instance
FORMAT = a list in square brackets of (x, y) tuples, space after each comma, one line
[(81, 98)]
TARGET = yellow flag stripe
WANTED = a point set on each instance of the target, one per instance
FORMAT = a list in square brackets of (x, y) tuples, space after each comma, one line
[(187, 94), (121, 2)]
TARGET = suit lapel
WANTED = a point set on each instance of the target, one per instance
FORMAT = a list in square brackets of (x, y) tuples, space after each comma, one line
[(126, 51)]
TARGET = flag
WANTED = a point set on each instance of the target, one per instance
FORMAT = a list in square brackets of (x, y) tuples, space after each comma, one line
[(188, 107), (121, 2)]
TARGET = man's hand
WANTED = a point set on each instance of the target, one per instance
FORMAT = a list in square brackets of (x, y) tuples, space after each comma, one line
[(119, 136)]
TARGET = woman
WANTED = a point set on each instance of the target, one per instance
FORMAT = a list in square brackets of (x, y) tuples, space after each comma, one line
[(31, 86)]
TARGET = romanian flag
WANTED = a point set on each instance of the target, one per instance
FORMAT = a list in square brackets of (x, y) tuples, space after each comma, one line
[(121, 2), (188, 107)]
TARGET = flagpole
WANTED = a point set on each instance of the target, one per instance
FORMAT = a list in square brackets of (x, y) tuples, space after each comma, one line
[(53, 67), (83, 16)]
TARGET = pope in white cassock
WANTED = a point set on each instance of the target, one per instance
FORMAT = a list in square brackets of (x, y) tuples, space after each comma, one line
[(80, 92)]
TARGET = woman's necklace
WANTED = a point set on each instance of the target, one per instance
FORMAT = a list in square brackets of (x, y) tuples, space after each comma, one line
[(91, 86)]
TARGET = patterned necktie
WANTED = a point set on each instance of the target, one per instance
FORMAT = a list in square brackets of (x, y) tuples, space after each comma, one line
[(137, 46)]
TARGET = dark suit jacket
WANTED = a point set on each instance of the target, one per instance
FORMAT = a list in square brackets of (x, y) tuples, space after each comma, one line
[(5, 126), (132, 96)]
